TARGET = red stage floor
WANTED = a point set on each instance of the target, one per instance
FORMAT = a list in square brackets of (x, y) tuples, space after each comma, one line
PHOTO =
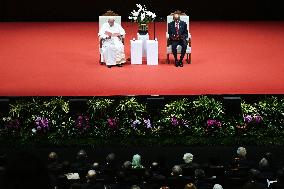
[(61, 59)]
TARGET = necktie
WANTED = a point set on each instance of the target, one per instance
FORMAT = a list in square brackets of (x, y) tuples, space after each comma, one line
[(177, 27)]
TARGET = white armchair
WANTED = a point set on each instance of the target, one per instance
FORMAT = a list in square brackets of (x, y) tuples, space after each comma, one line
[(103, 19), (184, 18)]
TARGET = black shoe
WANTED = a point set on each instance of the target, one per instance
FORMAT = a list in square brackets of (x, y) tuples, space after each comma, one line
[(176, 63), (109, 66), (119, 65), (180, 63)]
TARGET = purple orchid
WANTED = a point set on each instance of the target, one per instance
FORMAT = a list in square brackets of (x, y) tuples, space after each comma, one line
[(174, 121), (112, 123)]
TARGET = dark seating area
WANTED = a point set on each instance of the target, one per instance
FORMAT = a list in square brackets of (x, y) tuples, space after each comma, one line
[(34, 169)]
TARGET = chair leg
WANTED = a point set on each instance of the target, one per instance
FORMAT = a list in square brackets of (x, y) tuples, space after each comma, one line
[(101, 60), (189, 58), (168, 58)]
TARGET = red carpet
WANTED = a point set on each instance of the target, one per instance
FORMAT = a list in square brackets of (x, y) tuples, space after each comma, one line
[(51, 59)]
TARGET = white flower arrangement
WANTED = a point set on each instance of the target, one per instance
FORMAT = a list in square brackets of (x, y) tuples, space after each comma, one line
[(142, 15)]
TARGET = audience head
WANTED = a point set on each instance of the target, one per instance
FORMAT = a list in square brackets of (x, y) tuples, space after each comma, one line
[(52, 156), (165, 187), (187, 157), (136, 161), (217, 186), (154, 166), (254, 174), (110, 158), (263, 164), (176, 170), (176, 17), (280, 175), (134, 187), (190, 186), (241, 151), (127, 165), (82, 155), (111, 21), (91, 175), (96, 166), (199, 173), (268, 156)]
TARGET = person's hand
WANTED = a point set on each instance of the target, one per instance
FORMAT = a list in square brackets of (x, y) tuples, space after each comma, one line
[(115, 35), (175, 37)]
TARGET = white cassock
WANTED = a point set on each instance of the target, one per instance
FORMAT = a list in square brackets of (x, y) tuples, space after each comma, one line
[(113, 48)]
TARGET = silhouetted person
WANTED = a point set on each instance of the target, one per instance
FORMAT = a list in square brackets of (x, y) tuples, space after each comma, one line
[(110, 168), (81, 165), (253, 182), (200, 180), (177, 180), (280, 180), (188, 166), (92, 183), (54, 167)]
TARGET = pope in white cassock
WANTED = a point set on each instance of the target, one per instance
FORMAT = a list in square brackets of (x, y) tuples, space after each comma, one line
[(112, 46)]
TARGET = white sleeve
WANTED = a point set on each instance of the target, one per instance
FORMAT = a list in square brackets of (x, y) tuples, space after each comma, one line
[(121, 30), (102, 31)]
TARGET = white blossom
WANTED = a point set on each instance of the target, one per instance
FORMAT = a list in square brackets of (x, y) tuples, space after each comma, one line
[(142, 14)]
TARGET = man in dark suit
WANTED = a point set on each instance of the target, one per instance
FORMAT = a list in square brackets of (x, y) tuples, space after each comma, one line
[(178, 35)]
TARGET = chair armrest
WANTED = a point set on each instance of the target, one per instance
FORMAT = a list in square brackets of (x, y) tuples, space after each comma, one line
[(101, 42), (189, 39), (169, 42)]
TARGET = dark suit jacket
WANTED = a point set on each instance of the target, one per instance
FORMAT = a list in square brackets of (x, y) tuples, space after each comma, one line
[(183, 32)]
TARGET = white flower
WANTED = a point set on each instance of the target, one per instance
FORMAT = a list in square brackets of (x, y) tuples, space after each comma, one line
[(134, 13), (149, 13), (142, 14), (136, 122), (34, 130), (139, 6)]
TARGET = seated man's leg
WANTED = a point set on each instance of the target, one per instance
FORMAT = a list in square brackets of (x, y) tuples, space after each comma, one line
[(174, 50), (183, 44), (110, 55), (120, 56)]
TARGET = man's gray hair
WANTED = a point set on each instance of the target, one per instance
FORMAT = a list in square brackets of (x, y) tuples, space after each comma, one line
[(187, 157), (263, 163), (111, 18), (177, 170), (242, 151), (135, 187), (91, 174), (217, 186)]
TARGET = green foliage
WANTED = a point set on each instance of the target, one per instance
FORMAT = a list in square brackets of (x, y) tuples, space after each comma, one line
[(126, 121)]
